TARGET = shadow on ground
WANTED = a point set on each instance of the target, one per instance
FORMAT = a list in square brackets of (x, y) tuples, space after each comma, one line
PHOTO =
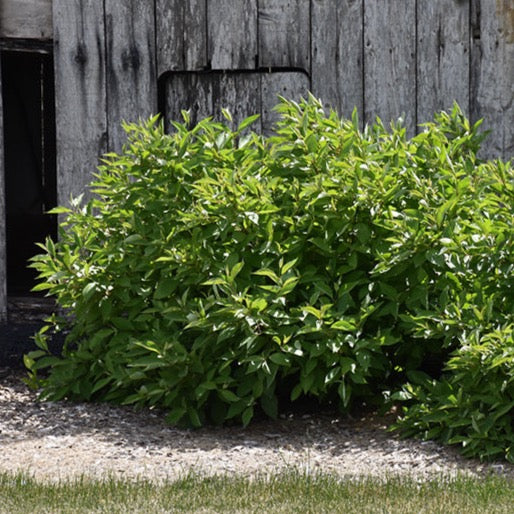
[(25, 318)]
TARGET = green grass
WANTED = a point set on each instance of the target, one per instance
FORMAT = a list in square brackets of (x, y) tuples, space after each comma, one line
[(286, 493)]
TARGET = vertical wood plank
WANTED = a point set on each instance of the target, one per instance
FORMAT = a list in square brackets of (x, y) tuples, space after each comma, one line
[(492, 96), (181, 35), (206, 94), (3, 254), (284, 33), (232, 34), (80, 98), (131, 72), (243, 94), (28, 19), (240, 94), (292, 85), (191, 92), (337, 54), (443, 57), (389, 61)]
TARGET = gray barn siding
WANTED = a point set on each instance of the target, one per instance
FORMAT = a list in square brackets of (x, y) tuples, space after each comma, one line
[(130, 72), (27, 19), (181, 35), (232, 34), (207, 93), (492, 87), (284, 33), (80, 100), (105, 72), (245, 93), (355, 53), (390, 61), (292, 85), (388, 58), (442, 57), (337, 54)]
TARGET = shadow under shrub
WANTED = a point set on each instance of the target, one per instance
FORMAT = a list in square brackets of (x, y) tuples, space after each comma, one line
[(215, 267)]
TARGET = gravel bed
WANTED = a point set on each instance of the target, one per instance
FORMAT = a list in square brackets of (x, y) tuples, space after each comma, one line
[(61, 440)]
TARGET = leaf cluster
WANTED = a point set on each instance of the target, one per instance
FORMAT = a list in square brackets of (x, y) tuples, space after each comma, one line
[(217, 271)]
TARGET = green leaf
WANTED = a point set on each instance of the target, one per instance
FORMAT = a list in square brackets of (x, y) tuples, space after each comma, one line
[(123, 324), (176, 415), (344, 325), (236, 269), (287, 266), (236, 409), (363, 233), (89, 290), (60, 210), (296, 392), (332, 375), (280, 359), (288, 286), (42, 286), (247, 122), (194, 418), (321, 244), (502, 411), (165, 288), (269, 405), (228, 396), (215, 281), (247, 416), (101, 383), (268, 273)]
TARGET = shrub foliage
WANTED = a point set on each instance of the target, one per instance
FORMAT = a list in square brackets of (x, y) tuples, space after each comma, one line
[(216, 271)]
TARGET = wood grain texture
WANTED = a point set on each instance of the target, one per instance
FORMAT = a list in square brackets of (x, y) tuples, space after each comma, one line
[(337, 54), (232, 34), (284, 33), (243, 94), (292, 85), (390, 61), (191, 92), (442, 57), (240, 94), (28, 19), (492, 91), (80, 93), (3, 254), (206, 94), (181, 35), (131, 73)]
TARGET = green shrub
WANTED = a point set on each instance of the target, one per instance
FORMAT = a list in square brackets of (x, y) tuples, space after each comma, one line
[(216, 271), (473, 404)]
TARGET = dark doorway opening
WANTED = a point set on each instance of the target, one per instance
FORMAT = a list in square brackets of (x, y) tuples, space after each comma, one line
[(30, 163)]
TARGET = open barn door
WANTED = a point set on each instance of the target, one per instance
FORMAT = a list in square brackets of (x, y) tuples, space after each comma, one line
[(29, 162), (3, 277)]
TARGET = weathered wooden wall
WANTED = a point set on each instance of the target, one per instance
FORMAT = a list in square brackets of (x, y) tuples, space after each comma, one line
[(27, 19), (247, 93), (443, 57), (337, 53), (388, 58), (492, 72), (81, 96), (105, 72)]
